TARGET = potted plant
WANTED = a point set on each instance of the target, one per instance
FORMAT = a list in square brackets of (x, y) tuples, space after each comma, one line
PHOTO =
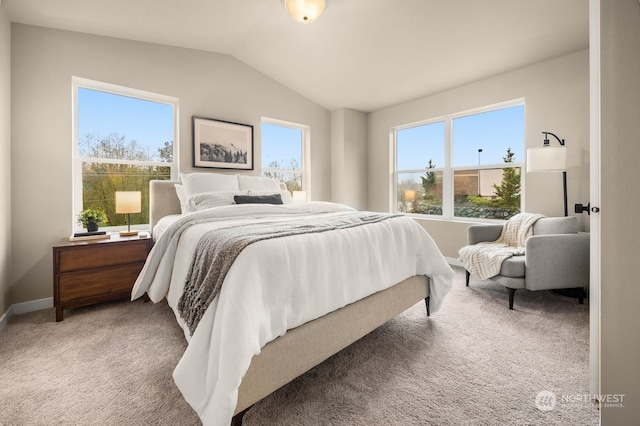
[(91, 219)]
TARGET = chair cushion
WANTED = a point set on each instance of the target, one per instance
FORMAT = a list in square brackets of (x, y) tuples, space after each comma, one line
[(556, 225), (513, 267)]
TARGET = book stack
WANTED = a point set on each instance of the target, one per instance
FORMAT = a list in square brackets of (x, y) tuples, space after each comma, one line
[(96, 235)]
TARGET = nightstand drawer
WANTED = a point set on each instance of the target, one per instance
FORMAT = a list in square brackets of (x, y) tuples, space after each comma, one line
[(101, 255), (83, 284)]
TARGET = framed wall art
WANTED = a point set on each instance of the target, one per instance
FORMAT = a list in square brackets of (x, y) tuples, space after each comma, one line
[(222, 144)]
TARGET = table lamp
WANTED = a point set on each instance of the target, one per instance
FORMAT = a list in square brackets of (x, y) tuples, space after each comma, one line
[(128, 202)]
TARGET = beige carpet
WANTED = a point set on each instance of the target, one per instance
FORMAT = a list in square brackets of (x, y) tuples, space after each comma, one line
[(473, 363)]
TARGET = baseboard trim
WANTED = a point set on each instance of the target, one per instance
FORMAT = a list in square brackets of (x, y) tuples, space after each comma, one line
[(25, 307), (33, 305), (4, 319)]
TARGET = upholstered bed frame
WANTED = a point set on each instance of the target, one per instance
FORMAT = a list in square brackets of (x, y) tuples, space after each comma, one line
[(304, 347)]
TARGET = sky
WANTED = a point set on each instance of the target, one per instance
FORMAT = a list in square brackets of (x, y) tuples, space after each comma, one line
[(151, 124), (280, 143), (492, 131), (148, 123)]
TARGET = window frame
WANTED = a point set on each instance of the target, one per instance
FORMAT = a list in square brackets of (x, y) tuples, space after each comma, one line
[(305, 166), (449, 170), (76, 179)]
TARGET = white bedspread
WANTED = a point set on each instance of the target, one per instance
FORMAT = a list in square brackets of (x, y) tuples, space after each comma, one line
[(278, 284)]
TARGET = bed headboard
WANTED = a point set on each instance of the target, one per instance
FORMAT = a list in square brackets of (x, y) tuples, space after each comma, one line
[(162, 200)]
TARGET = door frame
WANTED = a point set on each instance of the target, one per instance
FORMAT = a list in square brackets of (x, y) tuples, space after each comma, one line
[(594, 196)]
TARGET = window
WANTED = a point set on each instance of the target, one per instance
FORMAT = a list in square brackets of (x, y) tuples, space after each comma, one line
[(464, 165), (123, 138), (284, 148), (420, 160)]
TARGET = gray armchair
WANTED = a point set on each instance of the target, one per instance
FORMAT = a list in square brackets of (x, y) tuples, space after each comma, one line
[(556, 257)]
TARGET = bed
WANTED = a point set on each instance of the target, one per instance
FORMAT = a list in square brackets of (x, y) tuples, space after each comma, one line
[(293, 346)]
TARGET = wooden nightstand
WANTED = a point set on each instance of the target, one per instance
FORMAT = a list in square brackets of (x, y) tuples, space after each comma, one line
[(93, 271)]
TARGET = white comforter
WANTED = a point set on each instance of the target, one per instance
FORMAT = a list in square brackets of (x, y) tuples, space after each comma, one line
[(276, 285)]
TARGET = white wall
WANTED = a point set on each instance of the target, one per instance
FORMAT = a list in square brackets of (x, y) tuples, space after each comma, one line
[(556, 96), (620, 204), (5, 161), (207, 84), (349, 158)]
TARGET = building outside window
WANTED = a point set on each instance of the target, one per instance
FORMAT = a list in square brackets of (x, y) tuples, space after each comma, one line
[(284, 151), (123, 138), (464, 165)]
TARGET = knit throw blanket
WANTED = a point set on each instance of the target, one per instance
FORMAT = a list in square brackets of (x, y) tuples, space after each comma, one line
[(484, 260), (217, 250)]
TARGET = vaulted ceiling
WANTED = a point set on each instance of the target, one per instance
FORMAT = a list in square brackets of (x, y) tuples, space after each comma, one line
[(360, 54)]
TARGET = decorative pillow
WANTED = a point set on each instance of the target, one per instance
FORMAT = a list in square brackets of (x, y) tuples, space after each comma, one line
[(285, 195), (195, 183), (258, 199), (182, 196), (206, 200), (258, 183)]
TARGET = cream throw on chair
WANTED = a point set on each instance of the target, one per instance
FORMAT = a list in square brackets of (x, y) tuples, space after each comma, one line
[(484, 260)]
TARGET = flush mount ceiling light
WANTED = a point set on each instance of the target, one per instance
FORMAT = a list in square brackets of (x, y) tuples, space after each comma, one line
[(305, 11)]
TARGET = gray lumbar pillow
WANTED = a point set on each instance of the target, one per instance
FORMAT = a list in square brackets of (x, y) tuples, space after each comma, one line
[(258, 199)]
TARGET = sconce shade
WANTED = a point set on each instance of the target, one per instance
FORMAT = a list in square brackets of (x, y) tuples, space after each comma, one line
[(305, 11), (128, 202), (547, 159)]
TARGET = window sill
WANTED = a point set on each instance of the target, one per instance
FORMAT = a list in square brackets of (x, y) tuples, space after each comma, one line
[(469, 220)]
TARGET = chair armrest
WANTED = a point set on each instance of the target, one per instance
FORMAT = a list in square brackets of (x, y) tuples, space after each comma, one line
[(483, 233), (557, 261)]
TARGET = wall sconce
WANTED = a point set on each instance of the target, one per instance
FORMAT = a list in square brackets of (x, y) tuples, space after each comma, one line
[(305, 11), (128, 202), (550, 159)]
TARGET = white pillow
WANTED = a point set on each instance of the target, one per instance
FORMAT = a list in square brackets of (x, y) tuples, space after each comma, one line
[(195, 183), (206, 200), (182, 196), (286, 195), (258, 183)]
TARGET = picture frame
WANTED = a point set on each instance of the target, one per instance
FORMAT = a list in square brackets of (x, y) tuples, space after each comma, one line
[(222, 144)]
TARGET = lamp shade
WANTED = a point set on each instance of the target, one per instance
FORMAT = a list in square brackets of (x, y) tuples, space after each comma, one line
[(547, 159), (128, 201), (305, 11), (299, 196), (409, 195)]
